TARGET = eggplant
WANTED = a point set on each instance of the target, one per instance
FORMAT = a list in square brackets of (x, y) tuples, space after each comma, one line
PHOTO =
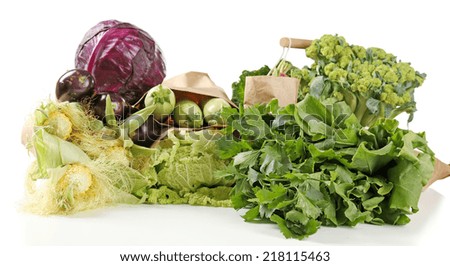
[(121, 108), (75, 85), (148, 133)]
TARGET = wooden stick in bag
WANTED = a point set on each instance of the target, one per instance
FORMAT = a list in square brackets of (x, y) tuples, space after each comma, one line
[(295, 43)]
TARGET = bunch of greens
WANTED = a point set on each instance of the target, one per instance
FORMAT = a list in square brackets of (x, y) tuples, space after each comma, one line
[(313, 164)]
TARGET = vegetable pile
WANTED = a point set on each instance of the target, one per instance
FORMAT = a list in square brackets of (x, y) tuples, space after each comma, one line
[(337, 157), (84, 163), (310, 164), (116, 134), (110, 138)]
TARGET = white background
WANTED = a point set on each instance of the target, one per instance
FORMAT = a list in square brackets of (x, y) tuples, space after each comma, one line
[(38, 43)]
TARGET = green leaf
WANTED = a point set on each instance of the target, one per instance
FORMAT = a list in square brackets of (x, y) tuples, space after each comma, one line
[(294, 148), (343, 189), (342, 174), (411, 142), (297, 217), (386, 189), (246, 159), (311, 106), (307, 166), (251, 214), (253, 176), (311, 228), (283, 120), (274, 160), (346, 137), (329, 211), (372, 203), (308, 208), (402, 220), (239, 201), (227, 148), (408, 179), (250, 125), (383, 187), (314, 117), (282, 225), (266, 196), (369, 161), (328, 155), (342, 113), (351, 212), (284, 204)]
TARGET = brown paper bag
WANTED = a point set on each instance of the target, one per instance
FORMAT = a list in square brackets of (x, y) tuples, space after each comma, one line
[(262, 89), (196, 86)]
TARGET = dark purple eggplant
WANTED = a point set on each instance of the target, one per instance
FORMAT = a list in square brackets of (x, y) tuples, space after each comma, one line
[(148, 133), (121, 108), (75, 86)]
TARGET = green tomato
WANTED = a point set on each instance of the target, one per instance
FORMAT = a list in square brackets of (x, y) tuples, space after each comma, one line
[(212, 111), (164, 99), (188, 114)]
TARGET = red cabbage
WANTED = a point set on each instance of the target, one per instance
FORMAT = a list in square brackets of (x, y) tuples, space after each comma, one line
[(122, 58)]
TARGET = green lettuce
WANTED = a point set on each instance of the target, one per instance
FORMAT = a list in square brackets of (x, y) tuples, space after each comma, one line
[(187, 172), (313, 164)]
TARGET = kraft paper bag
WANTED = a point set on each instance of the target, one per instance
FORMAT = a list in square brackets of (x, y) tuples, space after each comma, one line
[(196, 86), (262, 89)]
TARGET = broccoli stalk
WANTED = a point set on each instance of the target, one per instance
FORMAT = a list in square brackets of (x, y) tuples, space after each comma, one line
[(358, 105)]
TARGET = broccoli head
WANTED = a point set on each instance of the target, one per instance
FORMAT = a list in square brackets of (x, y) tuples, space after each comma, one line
[(372, 82)]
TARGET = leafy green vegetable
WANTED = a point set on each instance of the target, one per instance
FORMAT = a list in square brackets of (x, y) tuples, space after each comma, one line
[(239, 86), (186, 166), (313, 164), (84, 164)]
